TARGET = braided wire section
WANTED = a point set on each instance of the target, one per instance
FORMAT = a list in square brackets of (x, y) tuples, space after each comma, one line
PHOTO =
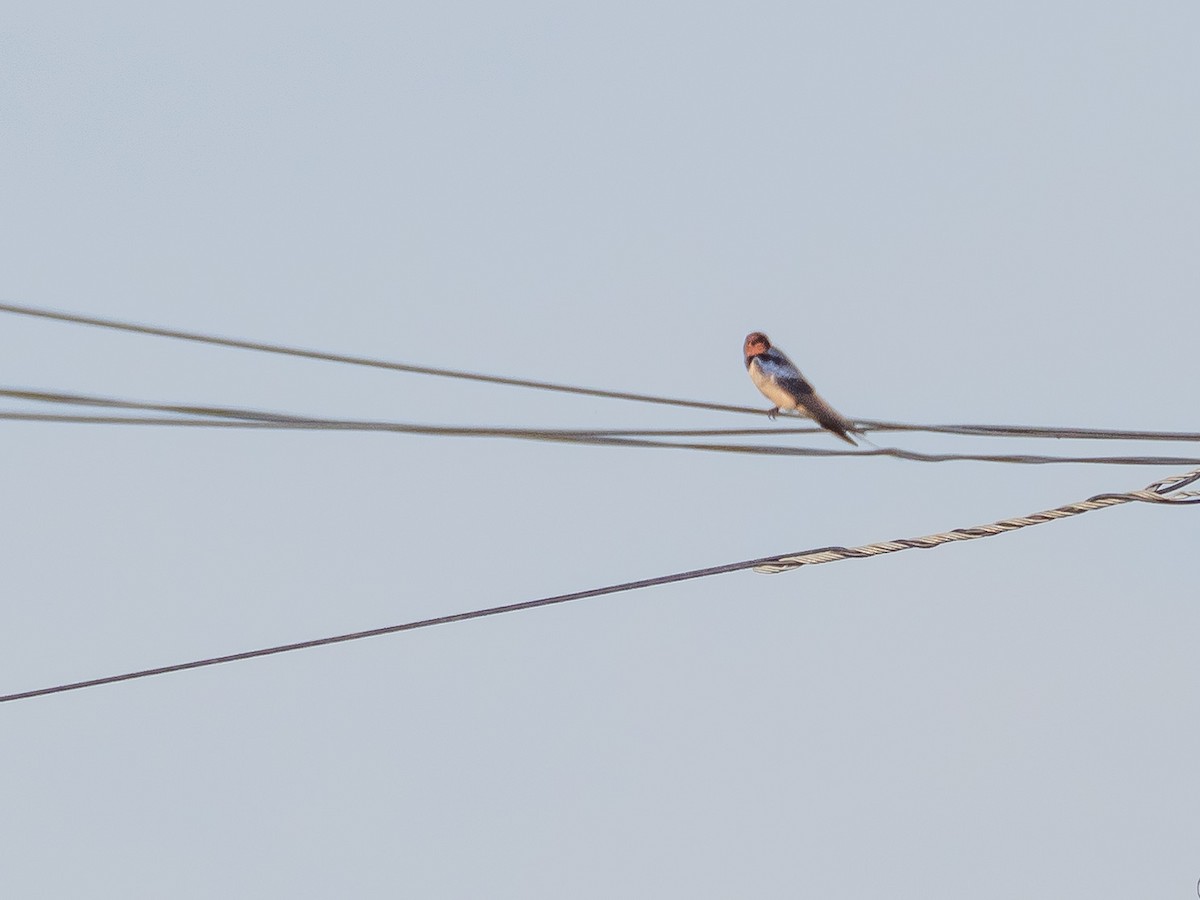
[(1166, 490)]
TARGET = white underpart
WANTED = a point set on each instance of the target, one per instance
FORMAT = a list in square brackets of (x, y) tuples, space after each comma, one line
[(772, 390)]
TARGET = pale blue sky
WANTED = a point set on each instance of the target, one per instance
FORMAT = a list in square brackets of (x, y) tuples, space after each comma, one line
[(944, 212)]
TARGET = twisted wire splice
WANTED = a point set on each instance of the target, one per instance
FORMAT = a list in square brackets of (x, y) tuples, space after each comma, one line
[(1166, 490)]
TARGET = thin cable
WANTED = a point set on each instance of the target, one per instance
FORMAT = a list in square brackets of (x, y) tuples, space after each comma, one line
[(607, 438), (369, 362), (1033, 431), (352, 425), (1165, 491), (262, 420), (391, 629), (311, 424), (862, 424)]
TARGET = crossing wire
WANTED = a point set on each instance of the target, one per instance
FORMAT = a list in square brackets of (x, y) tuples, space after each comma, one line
[(314, 423), (1165, 491), (212, 416), (867, 425), (282, 350)]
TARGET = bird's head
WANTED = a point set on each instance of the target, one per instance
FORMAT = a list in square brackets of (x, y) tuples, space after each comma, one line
[(756, 343)]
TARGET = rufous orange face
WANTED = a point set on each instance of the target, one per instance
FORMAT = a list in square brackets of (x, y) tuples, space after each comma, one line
[(756, 342)]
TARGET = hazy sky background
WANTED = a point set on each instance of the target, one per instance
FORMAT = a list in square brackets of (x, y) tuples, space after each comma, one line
[(945, 212)]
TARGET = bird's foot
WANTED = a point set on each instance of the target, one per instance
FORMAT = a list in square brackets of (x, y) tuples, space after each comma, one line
[(772, 412)]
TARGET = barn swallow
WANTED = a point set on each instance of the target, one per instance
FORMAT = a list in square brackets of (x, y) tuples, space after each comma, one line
[(781, 383)]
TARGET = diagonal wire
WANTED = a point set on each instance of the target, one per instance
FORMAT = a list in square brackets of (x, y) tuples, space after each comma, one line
[(283, 350), (227, 417), (1167, 491), (862, 424)]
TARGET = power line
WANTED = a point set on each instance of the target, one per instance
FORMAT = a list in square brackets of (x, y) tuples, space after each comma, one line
[(369, 362), (312, 423), (322, 424), (1033, 431), (247, 418), (1166, 491), (391, 629), (862, 424)]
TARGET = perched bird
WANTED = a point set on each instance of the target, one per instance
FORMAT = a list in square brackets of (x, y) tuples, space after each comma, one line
[(781, 383)]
